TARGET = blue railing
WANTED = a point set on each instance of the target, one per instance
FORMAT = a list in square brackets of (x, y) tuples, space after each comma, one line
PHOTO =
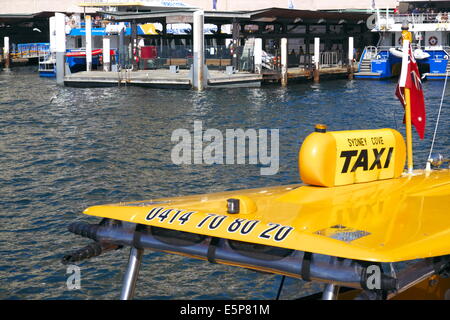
[(361, 59)]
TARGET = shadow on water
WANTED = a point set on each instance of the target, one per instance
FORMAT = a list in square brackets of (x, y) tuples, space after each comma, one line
[(64, 149)]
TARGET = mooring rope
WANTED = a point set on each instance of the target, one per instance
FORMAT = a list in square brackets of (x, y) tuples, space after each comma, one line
[(438, 117)]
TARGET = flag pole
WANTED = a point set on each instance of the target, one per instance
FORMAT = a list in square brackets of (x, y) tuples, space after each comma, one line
[(409, 147), (407, 106)]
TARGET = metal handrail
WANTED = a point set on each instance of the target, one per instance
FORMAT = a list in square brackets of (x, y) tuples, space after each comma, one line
[(369, 52), (330, 59), (418, 17)]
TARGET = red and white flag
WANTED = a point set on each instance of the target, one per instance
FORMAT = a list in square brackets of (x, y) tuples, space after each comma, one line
[(410, 78)]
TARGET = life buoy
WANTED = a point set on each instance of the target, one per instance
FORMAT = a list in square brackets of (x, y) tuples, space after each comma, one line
[(433, 41)]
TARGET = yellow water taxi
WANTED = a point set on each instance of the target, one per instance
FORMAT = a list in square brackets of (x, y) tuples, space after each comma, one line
[(358, 222), (355, 209)]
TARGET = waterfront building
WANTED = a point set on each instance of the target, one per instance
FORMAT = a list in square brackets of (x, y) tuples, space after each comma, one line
[(71, 6)]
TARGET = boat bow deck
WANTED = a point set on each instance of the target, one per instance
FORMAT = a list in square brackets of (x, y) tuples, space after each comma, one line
[(386, 221)]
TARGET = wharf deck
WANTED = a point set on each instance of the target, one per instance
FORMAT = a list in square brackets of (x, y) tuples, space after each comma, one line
[(307, 74), (160, 78), (296, 73)]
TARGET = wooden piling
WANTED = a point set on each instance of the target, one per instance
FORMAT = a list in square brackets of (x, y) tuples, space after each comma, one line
[(350, 71), (316, 75)]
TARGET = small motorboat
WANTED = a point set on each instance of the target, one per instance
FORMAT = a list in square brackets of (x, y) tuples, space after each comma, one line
[(47, 67), (419, 54), (76, 59), (82, 53)]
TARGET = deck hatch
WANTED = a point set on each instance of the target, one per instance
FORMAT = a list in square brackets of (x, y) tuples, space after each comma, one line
[(342, 233)]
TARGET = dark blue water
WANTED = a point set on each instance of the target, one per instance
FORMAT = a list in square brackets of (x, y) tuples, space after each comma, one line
[(64, 149)]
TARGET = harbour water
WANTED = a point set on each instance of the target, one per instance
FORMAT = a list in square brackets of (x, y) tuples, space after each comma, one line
[(64, 149)]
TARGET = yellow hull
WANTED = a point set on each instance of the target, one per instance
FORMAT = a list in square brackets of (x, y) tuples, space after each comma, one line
[(432, 288), (390, 220)]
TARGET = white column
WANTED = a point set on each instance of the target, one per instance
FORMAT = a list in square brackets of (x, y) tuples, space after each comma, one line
[(284, 61), (350, 50), (6, 45), (106, 54), (199, 52), (88, 27), (52, 34), (316, 72), (257, 53), (350, 58), (316, 52), (6, 52), (60, 46)]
